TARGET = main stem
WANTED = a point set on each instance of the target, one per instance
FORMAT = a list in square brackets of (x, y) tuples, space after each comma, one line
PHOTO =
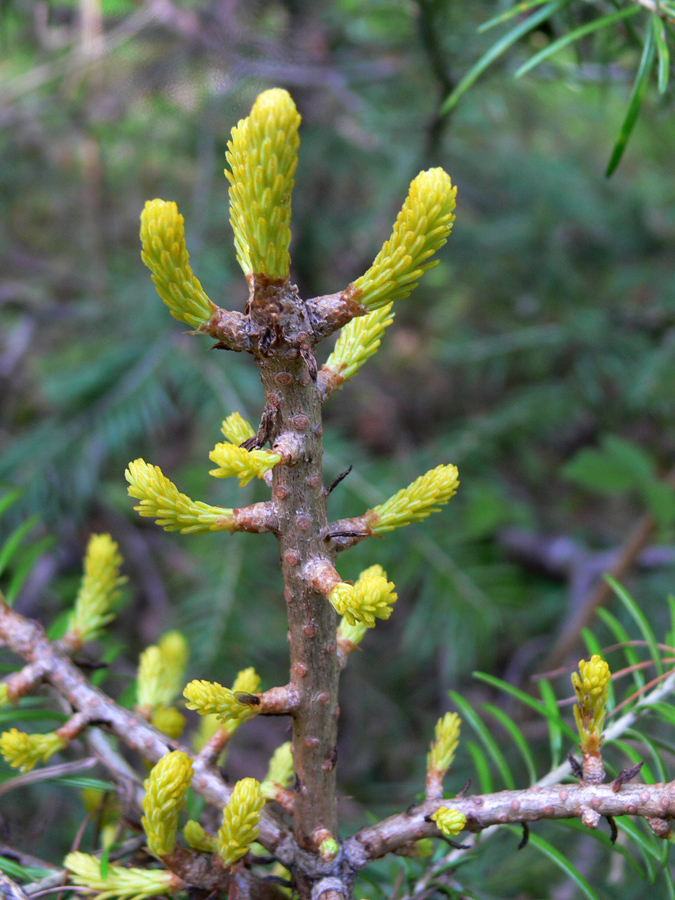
[(291, 391)]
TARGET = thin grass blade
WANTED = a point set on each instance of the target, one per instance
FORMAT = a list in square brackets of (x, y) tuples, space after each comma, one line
[(488, 742), (635, 102), (640, 620), (564, 864), (575, 35), (497, 49)]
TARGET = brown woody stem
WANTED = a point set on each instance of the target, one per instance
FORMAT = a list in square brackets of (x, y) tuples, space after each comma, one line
[(27, 639)]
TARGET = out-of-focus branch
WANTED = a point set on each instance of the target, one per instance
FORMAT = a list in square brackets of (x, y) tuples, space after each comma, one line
[(27, 639)]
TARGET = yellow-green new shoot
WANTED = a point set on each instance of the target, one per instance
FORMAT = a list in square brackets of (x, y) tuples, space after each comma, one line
[(422, 227), (241, 818), (236, 429), (160, 672), (280, 771), (127, 884), (165, 791), (161, 500), (165, 254), (590, 686), (263, 155), (416, 502), (449, 821), (210, 698), (198, 838), (444, 745), (358, 341), (236, 462), (370, 598), (24, 751), (99, 590)]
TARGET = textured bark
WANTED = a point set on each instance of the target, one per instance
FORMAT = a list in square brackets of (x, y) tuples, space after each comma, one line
[(655, 802), (301, 512), (27, 639)]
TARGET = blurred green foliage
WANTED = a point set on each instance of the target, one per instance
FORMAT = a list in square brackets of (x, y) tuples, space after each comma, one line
[(539, 356)]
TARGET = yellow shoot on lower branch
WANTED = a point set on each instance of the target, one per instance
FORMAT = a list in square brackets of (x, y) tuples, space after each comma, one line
[(160, 672), (175, 654), (127, 884), (4, 695), (169, 720), (211, 698), (161, 500), (165, 254), (99, 590), (370, 598), (241, 818), (358, 341), (263, 155), (422, 227), (198, 838), (590, 686), (280, 771), (236, 462), (165, 791), (444, 745), (350, 635), (236, 429), (24, 751), (449, 821), (416, 502)]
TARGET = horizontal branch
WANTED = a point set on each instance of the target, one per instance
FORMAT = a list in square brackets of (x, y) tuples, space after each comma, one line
[(346, 533), (27, 639), (232, 330), (654, 802), (257, 518), (327, 382), (331, 311), (278, 701)]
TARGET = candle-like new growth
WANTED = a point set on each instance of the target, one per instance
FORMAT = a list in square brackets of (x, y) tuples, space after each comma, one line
[(210, 698), (160, 676), (161, 500), (444, 745), (169, 720), (99, 590), (358, 341), (590, 686), (24, 751), (241, 817), (449, 821), (175, 654), (4, 694), (263, 155), (370, 598), (416, 502), (165, 254), (160, 671), (127, 884), (422, 227), (165, 792), (236, 429), (198, 838), (236, 462), (279, 773), (149, 690)]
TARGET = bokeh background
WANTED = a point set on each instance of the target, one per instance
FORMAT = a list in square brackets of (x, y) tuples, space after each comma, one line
[(539, 356)]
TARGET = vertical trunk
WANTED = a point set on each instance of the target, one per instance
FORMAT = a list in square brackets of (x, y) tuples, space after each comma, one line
[(301, 505)]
